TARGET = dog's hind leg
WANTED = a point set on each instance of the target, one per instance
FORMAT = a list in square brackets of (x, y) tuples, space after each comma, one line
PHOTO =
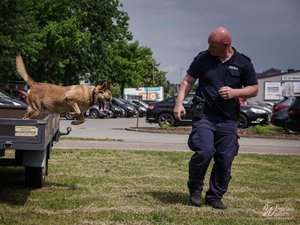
[(33, 110)]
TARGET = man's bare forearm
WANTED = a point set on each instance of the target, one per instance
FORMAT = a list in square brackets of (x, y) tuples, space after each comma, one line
[(185, 88), (247, 92)]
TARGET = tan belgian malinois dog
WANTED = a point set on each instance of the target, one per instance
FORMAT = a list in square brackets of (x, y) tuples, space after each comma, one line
[(62, 99)]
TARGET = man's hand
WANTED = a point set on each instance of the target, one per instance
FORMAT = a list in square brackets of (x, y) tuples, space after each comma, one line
[(245, 92), (179, 111), (186, 85), (226, 92)]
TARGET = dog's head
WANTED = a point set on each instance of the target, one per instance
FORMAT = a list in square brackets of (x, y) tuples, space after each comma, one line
[(103, 94)]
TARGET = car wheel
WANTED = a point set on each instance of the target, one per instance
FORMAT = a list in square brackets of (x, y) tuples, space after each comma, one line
[(125, 114), (166, 117), (69, 116), (243, 121), (94, 114), (128, 115), (110, 114), (288, 129), (115, 114), (35, 176)]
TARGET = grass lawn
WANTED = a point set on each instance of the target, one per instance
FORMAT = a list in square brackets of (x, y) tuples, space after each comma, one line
[(148, 187)]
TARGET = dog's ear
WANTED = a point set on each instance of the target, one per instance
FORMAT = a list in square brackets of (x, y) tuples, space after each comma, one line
[(105, 86)]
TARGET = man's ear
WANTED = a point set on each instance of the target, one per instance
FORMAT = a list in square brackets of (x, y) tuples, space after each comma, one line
[(105, 86)]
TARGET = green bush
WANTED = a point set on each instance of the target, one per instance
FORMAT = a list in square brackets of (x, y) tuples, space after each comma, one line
[(260, 129), (165, 125)]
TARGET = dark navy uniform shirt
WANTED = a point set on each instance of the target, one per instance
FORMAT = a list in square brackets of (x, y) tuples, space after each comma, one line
[(237, 72)]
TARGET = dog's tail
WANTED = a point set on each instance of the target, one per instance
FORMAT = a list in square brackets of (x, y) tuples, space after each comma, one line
[(22, 71)]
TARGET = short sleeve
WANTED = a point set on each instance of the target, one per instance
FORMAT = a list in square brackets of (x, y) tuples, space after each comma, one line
[(195, 67), (249, 75)]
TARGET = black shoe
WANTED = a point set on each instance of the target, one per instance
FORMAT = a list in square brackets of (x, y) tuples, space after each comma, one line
[(195, 200), (217, 204)]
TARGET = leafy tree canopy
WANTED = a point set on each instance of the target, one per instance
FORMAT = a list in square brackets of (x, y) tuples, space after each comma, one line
[(66, 41)]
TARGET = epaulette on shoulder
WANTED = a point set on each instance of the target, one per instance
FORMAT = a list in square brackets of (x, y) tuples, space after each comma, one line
[(247, 57), (201, 53)]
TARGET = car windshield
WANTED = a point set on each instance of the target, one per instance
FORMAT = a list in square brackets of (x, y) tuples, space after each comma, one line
[(141, 103), (118, 101), (127, 102), (3, 94)]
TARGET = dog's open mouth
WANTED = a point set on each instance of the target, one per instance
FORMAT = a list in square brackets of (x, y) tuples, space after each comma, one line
[(101, 106)]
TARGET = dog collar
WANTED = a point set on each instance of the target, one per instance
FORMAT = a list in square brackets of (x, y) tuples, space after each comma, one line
[(93, 96)]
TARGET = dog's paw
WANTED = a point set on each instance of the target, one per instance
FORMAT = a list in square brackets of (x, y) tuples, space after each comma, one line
[(76, 122)]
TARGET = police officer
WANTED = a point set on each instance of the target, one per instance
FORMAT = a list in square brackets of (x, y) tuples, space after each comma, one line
[(224, 75)]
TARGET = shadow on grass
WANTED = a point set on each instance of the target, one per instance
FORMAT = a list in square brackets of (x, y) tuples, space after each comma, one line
[(170, 197), (12, 186)]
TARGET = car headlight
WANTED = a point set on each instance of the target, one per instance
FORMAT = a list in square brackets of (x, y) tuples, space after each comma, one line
[(259, 111)]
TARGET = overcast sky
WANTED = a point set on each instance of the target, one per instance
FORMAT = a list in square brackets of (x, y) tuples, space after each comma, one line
[(268, 31)]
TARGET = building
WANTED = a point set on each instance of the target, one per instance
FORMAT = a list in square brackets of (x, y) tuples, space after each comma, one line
[(274, 84)]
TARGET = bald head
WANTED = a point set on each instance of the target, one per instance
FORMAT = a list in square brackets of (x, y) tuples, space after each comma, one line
[(219, 42), (220, 35)]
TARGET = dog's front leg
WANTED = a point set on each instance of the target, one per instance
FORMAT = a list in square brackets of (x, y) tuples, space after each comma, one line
[(72, 99), (80, 120), (75, 108)]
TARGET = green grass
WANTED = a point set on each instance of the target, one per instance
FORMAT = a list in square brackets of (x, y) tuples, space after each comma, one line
[(148, 187), (268, 128)]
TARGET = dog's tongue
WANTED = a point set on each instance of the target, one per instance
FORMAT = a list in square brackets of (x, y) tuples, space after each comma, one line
[(101, 106)]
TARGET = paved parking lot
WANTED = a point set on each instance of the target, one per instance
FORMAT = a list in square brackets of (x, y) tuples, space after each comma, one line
[(131, 140)]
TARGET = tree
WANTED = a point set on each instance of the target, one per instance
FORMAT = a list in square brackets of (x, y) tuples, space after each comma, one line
[(18, 31), (78, 35), (129, 64), (66, 41)]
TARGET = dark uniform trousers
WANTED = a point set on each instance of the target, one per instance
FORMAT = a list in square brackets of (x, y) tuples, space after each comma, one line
[(212, 138)]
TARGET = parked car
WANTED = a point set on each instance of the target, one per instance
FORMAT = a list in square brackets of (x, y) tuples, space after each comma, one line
[(257, 104), (5, 99), (141, 102), (150, 101), (269, 104), (130, 111), (95, 113), (142, 110), (292, 125), (117, 112), (14, 93), (114, 112), (163, 111), (280, 112), (251, 115)]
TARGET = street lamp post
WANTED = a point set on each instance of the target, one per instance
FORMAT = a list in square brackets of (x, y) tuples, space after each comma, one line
[(152, 73)]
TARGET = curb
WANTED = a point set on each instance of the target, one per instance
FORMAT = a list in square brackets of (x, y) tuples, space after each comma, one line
[(187, 132)]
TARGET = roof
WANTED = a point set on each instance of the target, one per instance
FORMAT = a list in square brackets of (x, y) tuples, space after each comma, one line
[(274, 73)]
